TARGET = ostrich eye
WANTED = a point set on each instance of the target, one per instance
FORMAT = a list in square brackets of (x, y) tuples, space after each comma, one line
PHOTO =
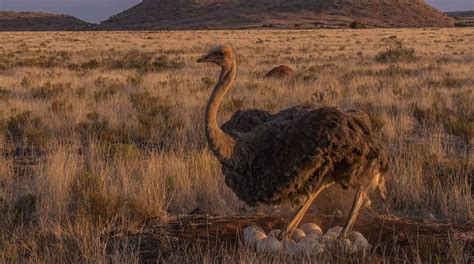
[(220, 53)]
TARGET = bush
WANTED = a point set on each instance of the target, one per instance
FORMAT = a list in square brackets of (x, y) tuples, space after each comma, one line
[(25, 130), (357, 25), (60, 106), (110, 142), (48, 91), (396, 53), (108, 88), (157, 116), (4, 93), (458, 124)]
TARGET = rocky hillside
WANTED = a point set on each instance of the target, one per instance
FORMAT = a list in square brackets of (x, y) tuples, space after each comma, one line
[(35, 21), (215, 14), (463, 18)]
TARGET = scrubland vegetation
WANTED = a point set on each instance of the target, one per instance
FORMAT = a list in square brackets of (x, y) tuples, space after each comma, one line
[(101, 131)]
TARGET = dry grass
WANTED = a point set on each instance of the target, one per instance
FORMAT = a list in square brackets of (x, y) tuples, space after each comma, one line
[(100, 131)]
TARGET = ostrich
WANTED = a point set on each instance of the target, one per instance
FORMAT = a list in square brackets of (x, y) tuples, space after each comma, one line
[(294, 155)]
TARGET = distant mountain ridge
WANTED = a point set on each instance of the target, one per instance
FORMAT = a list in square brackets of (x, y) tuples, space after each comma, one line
[(469, 13), (38, 21), (222, 14), (237, 14), (463, 18)]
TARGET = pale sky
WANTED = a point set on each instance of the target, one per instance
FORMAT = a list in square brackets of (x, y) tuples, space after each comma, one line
[(98, 10)]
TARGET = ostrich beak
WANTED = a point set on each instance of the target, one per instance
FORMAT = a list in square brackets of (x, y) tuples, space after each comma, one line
[(204, 59)]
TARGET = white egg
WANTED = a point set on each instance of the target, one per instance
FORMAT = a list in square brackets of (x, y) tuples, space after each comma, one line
[(249, 230), (308, 243), (344, 244), (287, 242), (332, 235), (254, 237), (269, 245), (353, 249), (310, 228), (312, 236), (298, 234), (336, 229), (292, 250), (327, 241), (359, 241), (274, 233), (320, 248)]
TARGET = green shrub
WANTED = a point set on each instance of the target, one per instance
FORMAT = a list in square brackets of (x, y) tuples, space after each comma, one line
[(396, 52), (95, 128), (450, 82), (108, 88), (26, 130), (163, 63), (458, 124), (234, 104), (157, 116), (4, 93), (377, 121), (90, 65), (60, 106), (23, 210), (48, 91), (357, 25), (140, 61)]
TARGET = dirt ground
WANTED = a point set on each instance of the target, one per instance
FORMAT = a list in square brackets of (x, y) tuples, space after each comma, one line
[(386, 234)]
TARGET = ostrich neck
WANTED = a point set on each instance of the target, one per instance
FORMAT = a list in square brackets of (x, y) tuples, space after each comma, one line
[(221, 144)]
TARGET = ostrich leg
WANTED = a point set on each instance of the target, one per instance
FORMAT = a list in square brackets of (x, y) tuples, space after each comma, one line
[(299, 214), (358, 201)]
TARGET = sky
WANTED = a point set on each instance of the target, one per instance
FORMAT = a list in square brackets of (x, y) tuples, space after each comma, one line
[(99, 10)]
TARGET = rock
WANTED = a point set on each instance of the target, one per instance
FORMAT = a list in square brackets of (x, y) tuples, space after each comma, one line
[(310, 228), (269, 245), (281, 72)]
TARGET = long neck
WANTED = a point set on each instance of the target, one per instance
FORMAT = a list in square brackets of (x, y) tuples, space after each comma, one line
[(221, 144)]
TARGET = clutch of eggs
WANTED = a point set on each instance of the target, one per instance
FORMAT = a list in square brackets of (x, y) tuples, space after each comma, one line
[(309, 239)]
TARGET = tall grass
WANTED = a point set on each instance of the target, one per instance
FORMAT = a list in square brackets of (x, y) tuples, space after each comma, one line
[(100, 131)]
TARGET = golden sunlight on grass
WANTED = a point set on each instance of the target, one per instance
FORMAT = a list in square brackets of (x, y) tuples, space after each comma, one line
[(103, 131)]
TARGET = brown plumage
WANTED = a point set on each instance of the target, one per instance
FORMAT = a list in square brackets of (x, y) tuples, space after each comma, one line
[(280, 72), (295, 154)]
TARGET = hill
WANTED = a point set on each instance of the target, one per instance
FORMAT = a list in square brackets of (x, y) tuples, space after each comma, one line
[(221, 14), (463, 18), (37, 21)]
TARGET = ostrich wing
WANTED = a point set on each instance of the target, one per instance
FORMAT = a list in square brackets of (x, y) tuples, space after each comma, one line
[(244, 121)]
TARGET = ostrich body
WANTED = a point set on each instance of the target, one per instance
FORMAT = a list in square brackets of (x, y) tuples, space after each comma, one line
[(295, 154)]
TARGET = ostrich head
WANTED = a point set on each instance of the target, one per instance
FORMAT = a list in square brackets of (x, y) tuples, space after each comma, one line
[(221, 55)]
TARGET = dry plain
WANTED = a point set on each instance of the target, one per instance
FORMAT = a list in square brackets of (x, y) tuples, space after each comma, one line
[(104, 157)]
